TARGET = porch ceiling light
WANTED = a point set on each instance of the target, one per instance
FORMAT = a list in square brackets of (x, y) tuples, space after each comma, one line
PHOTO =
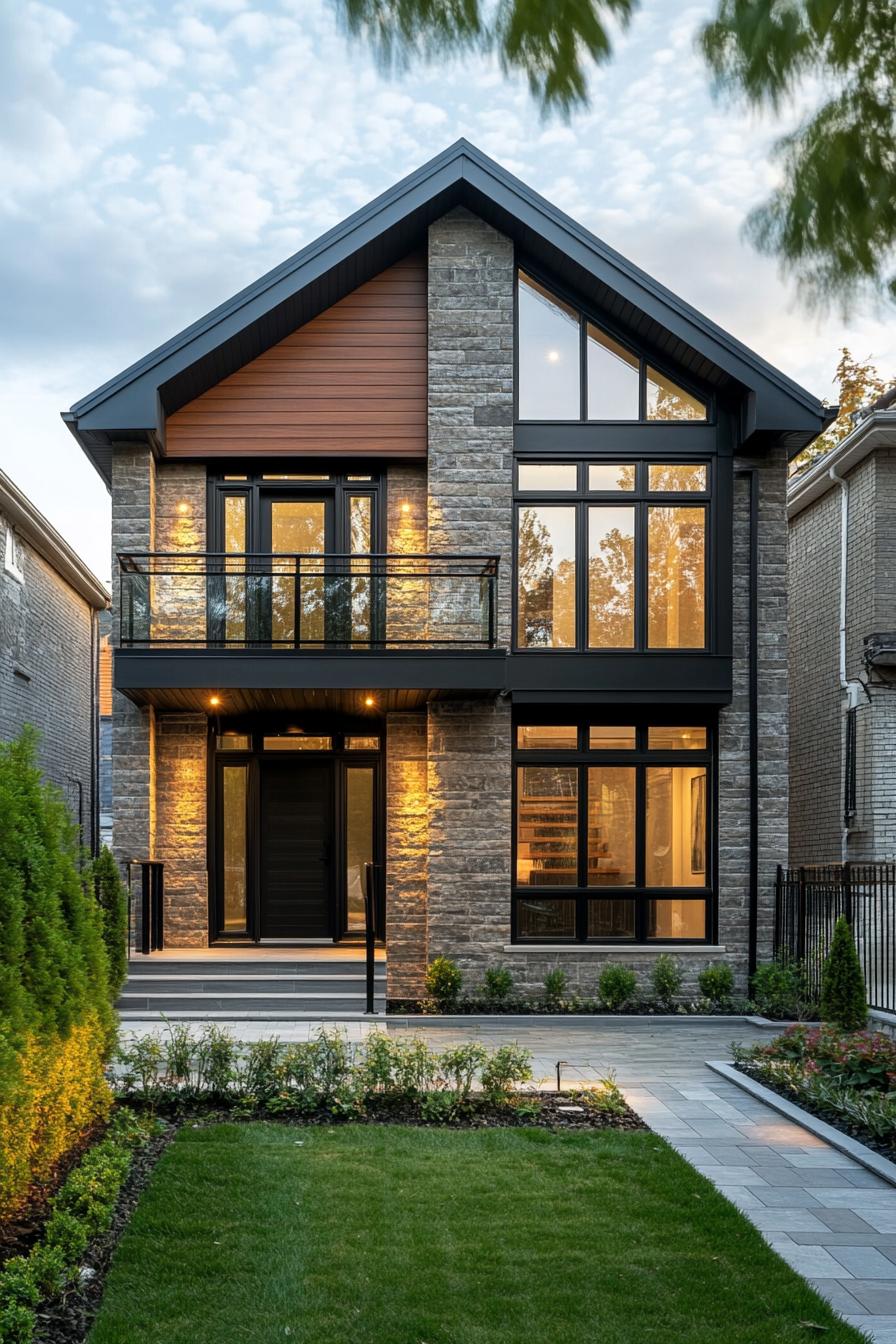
[(369, 701), (214, 700)]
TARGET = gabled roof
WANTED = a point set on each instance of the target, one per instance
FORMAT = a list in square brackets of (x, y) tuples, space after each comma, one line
[(29, 522), (133, 405)]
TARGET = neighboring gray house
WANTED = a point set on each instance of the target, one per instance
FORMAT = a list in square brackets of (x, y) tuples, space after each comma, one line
[(49, 608), (455, 545), (842, 593)]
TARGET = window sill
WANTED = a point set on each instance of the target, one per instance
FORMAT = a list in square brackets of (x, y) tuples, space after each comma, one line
[(620, 949)]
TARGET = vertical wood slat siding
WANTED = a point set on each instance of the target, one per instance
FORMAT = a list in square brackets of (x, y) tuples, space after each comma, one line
[(352, 381)]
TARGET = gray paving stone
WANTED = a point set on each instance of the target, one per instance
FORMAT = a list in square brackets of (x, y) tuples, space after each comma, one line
[(878, 1298), (774, 1198), (843, 1220), (864, 1262), (813, 1261), (837, 1293), (724, 1175)]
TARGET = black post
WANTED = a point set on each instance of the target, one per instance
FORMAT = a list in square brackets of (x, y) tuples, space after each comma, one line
[(145, 911), (370, 932), (847, 893), (801, 914)]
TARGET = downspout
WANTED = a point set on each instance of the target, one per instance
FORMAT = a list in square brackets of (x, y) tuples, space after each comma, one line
[(750, 473), (851, 690)]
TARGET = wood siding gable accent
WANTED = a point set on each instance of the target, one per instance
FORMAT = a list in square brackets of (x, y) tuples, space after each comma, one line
[(351, 382)]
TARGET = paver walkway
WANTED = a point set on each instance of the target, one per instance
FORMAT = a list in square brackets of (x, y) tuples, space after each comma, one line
[(827, 1216)]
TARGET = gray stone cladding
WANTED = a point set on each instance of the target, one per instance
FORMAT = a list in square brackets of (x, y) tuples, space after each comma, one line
[(181, 790), (407, 856), (471, 276), (46, 672), (133, 729)]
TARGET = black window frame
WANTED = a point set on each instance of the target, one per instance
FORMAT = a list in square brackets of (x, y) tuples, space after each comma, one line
[(641, 499), (645, 357), (640, 758), (254, 488), (256, 727)]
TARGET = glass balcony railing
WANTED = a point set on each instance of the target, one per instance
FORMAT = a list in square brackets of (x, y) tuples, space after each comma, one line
[(307, 602)]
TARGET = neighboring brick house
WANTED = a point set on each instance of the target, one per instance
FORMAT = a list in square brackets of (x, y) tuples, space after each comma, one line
[(49, 608), (842, 560), (456, 545)]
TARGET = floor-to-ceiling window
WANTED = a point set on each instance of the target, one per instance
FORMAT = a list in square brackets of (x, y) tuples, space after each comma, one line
[(613, 830)]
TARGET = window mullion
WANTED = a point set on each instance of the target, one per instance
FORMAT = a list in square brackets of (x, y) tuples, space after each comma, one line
[(641, 576), (640, 862)]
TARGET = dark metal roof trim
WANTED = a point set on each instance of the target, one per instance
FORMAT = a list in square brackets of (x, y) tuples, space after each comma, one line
[(135, 402)]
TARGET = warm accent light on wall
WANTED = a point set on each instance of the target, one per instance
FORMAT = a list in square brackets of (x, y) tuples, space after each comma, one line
[(214, 701), (369, 701), (183, 507), (405, 506)]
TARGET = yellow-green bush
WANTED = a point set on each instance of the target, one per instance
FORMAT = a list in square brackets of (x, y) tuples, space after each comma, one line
[(56, 1019)]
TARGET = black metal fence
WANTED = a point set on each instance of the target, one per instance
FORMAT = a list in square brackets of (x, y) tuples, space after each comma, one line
[(808, 902)]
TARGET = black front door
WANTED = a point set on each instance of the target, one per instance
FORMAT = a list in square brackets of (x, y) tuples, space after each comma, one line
[(296, 850)]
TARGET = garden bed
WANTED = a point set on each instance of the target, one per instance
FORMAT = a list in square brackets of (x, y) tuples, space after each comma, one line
[(846, 1079)]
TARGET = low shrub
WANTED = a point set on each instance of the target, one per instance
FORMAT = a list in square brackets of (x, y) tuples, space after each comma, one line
[(504, 1068), (81, 1210), (780, 990), (860, 1059), (498, 984), (616, 986), (716, 984), (326, 1073), (443, 981), (666, 979), (843, 998), (555, 986)]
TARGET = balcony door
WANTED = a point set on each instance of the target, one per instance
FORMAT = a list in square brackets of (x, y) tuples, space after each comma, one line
[(295, 531)]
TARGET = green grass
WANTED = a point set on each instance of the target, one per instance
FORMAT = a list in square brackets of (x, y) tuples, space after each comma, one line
[(388, 1235)]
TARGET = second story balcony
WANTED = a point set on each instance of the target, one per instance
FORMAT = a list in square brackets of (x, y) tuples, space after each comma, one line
[(189, 621), (307, 602)]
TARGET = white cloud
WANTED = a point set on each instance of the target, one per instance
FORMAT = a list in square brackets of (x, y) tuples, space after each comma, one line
[(158, 156)]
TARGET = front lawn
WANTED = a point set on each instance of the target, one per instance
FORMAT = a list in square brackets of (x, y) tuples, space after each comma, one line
[(391, 1235)]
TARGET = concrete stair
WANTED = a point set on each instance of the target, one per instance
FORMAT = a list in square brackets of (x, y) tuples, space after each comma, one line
[(287, 988)]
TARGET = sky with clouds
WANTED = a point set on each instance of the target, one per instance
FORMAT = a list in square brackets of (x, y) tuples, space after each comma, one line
[(158, 155)]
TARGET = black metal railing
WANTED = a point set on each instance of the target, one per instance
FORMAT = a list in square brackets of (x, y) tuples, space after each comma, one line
[(808, 902), (307, 601)]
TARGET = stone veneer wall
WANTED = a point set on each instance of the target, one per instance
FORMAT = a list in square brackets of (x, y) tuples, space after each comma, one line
[(159, 759), (470, 471), (133, 729), (181, 791), (407, 832)]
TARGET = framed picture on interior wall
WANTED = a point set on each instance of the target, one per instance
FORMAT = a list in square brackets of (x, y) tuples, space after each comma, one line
[(698, 824)]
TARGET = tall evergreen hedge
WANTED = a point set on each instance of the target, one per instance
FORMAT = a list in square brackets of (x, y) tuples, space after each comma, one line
[(56, 1018)]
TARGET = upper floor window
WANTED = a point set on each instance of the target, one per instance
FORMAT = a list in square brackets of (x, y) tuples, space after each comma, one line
[(14, 561), (611, 555), (570, 369)]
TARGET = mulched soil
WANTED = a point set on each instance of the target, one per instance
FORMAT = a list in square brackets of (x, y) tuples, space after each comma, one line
[(528, 1008), (18, 1234), (886, 1147), (69, 1318)]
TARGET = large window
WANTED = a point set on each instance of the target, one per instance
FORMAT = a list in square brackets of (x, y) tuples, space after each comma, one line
[(613, 555), (569, 368), (612, 832)]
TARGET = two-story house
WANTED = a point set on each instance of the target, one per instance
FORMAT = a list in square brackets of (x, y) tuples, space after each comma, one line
[(50, 610), (456, 545)]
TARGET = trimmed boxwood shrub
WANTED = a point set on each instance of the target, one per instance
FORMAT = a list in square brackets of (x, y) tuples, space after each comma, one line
[(443, 981), (716, 984), (56, 1019)]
